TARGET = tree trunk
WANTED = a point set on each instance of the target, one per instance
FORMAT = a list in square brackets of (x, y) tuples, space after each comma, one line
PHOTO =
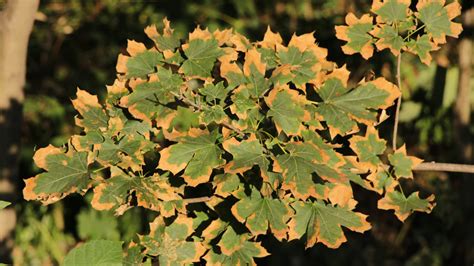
[(464, 140), (16, 23)]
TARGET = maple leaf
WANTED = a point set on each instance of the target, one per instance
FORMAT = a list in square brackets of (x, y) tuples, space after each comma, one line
[(214, 91), (403, 206), (165, 42), (357, 36), (286, 109), (169, 242), (92, 113), (388, 38), (381, 181), (422, 47), (200, 57), (340, 107), (368, 148), (148, 100), (403, 164), (251, 77), (297, 167), (151, 192), (196, 152), (437, 19), (322, 223), (236, 250), (66, 174), (246, 153), (391, 11), (225, 184), (259, 213), (141, 61), (301, 63)]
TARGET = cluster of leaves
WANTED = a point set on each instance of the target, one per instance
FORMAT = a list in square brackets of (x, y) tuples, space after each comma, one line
[(395, 26), (226, 140)]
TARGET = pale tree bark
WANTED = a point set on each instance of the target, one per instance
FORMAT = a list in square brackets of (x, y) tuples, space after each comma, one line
[(16, 23), (464, 250)]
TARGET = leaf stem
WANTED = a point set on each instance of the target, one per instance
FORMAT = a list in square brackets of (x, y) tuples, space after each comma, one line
[(399, 103), (413, 32)]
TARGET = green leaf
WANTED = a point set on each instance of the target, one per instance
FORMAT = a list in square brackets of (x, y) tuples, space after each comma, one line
[(404, 206), (246, 154), (357, 36), (226, 184), (388, 38), (368, 148), (214, 91), (341, 107), (286, 109), (403, 164), (144, 63), (160, 91), (96, 253), (148, 100), (259, 213), (297, 167), (322, 223), (197, 153), (201, 55), (134, 256), (235, 250), (213, 114), (4, 204), (422, 47), (66, 173), (391, 11), (301, 64), (437, 19), (92, 224)]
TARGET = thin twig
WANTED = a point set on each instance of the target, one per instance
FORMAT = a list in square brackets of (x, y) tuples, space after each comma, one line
[(199, 108), (445, 167), (399, 103), (196, 200)]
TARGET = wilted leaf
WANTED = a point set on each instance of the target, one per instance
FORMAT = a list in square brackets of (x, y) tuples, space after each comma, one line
[(402, 163), (322, 223), (438, 19), (66, 173), (169, 242), (260, 213), (368, 148), (246, 153), (357, 36), (236, 250), (340, 107), (286, 109), (197, 153), (404, 206)]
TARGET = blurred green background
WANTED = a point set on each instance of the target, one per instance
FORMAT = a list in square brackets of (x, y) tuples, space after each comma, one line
[(75, 44)]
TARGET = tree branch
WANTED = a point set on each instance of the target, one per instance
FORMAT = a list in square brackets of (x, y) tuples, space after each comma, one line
[(196, 200), (445, 167), (399, 103)]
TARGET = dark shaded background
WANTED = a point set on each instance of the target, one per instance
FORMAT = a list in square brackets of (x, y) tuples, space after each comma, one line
[(76, 43)]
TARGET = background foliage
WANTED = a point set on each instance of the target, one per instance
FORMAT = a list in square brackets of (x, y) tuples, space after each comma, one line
[(74, 44)]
